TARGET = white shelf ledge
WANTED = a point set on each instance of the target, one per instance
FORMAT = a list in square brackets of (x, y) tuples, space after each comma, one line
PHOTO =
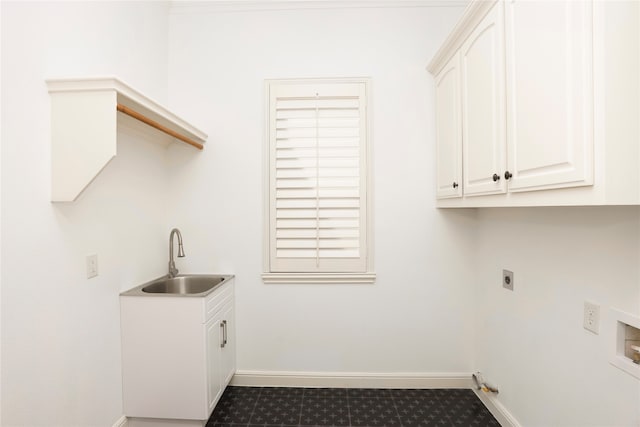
[(84, 128)]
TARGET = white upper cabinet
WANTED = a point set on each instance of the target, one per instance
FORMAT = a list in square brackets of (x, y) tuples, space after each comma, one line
[(550, 94), (483, 116), (449, 132)]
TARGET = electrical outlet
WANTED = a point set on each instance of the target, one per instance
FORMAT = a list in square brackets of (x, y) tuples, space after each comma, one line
[(92, 266), (507, 279), (591, 320)]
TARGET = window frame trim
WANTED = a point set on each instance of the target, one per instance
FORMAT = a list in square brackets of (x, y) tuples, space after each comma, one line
[(269, 277)]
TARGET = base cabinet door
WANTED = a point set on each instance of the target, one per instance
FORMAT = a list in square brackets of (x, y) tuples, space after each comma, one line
[(221, 345), (549, 70), (215, 334), (228, 349)]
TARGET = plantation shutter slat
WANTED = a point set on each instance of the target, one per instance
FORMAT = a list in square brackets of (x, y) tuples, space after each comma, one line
[(317, 143)]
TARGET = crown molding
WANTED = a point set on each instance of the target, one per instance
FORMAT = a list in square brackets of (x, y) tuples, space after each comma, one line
[(471, 17), (226, 6)]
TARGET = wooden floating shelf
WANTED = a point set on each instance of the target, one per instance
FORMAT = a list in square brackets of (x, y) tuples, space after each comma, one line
[(84, 121)]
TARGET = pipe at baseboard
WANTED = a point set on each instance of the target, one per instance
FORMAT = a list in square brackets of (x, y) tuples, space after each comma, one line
[(482, 385)]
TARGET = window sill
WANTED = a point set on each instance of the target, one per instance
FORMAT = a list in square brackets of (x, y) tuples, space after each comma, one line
[(318, 278)]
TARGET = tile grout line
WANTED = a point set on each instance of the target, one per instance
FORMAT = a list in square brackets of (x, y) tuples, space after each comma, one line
[(301, 406), (348, 406), (393, 401), (255, 406)]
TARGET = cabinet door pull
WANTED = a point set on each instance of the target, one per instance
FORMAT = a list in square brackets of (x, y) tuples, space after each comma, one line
[(224, 322), (496, 177), (455, 185), (224, 334), (507, 175)]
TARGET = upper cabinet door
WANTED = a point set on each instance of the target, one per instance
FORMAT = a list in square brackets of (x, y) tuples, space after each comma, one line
[(483, 106), (449, 141), (549, 94)]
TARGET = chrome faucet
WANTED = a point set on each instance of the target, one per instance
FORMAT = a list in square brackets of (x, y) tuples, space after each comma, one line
[(173, 271)]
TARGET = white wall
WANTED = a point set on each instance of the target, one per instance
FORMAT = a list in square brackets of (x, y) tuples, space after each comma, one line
[(60, 331), (1, 135), (417, 317), (551, 371), (437, 298)]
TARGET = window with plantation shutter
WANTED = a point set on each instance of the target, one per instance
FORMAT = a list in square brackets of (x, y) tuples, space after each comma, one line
[(318, 216)]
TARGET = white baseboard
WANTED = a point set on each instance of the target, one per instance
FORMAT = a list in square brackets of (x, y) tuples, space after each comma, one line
[(496, 408), (157, 422), (122, 422), (352, 379), (164, 422)]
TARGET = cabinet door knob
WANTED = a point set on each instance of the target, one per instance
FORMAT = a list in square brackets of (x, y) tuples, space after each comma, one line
[(496, 177), (455, 185), (507, 175)]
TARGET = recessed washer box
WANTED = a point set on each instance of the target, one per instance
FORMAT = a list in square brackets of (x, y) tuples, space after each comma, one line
[(626, 336)]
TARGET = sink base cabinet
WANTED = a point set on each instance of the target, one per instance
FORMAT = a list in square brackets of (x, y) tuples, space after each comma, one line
[(178, 354)]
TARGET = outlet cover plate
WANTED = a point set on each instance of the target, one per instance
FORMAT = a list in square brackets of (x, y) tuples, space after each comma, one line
[(92, 266), (591, 321), (507, 279)]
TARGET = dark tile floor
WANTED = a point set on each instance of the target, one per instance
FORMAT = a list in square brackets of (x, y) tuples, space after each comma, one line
[(256, 406)]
